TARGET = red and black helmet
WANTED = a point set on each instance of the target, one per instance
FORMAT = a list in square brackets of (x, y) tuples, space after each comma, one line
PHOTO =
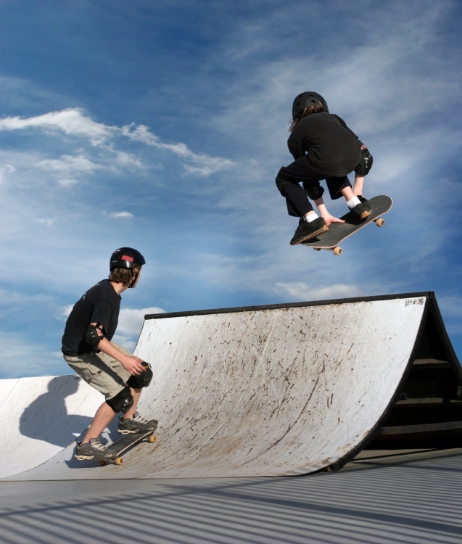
[(305, 100), (125, 257)]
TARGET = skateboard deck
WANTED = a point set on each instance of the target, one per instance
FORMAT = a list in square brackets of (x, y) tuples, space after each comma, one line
[(337, 232), (124, 444)]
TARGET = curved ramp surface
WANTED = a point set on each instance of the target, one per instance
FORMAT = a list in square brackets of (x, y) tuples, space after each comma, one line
[(263, 391), (41, 417)]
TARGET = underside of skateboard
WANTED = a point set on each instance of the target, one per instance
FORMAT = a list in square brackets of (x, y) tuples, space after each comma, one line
[(337, 250), (338, 232)]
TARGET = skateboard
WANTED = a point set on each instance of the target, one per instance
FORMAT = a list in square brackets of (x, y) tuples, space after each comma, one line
[(124, 444), (338, 232)]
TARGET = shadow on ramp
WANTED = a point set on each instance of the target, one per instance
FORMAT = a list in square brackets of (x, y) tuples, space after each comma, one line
[(47, 418)]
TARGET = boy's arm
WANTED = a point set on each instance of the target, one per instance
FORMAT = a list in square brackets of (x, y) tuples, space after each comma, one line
[(129, 362), (328, 218)]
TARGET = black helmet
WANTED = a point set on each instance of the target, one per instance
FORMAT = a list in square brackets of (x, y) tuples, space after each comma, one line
[(125, 257), (305, 100)]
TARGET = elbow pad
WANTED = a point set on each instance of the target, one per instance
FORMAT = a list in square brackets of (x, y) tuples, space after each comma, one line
[(92, 337), (365, 164)]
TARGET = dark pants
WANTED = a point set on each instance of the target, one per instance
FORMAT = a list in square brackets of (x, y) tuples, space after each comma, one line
[(288, 182)]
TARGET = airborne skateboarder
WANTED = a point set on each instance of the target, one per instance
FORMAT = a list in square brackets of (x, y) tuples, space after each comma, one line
[(323, 148), (109, 368)]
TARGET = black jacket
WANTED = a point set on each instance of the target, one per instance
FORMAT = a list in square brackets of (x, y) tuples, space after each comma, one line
[(333, 149)]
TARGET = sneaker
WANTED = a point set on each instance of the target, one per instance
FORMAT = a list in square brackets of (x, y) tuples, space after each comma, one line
[(363, 209), (92, 450), (306, 230), (137, 424)]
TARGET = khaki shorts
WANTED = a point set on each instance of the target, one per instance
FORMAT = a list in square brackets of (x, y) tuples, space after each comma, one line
[(102, 372)]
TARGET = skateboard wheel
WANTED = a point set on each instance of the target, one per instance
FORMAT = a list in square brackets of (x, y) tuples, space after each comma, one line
[(102, 462), (337, 250), (119, 461), (152, 439), (380, 222), (317, 248)]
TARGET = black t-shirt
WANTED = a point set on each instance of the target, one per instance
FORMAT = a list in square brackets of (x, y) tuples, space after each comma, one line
[(100, 304), (333, 149)]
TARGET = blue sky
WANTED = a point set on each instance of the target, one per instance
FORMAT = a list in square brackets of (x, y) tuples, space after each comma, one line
[(161, 126)]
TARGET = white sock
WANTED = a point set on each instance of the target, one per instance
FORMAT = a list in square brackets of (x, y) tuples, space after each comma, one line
[(311, 217), (353, 202)]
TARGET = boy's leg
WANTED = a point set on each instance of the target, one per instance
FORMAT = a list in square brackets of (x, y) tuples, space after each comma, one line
[(339, 187), (358, 185), (102, 377), (342, 187), (104, 415), (298, 204), (124, 375), (131, 421), (136, 394), (288, 182)]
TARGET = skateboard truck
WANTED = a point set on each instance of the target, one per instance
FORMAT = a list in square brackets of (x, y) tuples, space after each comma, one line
[(335, 250)]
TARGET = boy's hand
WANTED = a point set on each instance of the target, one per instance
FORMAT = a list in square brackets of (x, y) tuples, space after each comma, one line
[(133, 365), (328, 218)]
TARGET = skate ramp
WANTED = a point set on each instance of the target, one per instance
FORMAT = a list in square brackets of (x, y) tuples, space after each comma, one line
[(264, 391), (41, 417)]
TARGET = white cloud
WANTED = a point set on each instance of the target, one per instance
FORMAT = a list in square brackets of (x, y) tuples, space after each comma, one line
[(299, 290), (67, 165), (64, 314), (131, 320), (122, 215), (208, 165), (47, 221), (67, 182), (130, 324), (71, 121), (74, 122), (5, 170), (126, 159)]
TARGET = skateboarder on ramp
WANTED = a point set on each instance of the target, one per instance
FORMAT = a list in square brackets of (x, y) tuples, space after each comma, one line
[(109, 368), (323, 148)]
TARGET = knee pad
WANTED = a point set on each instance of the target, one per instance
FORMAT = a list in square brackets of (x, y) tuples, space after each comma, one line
[(314, 190), (122, 402), (143, 380), (365, 164)]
